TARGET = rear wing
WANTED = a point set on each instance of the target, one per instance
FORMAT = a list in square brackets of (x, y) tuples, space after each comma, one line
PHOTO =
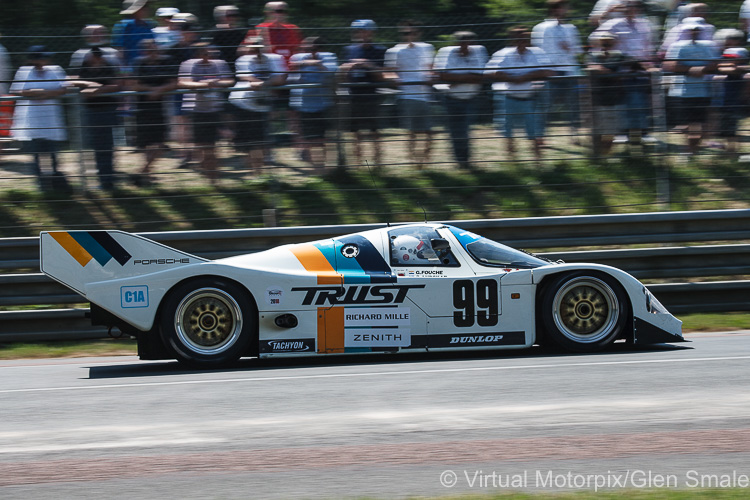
[(78, 258)]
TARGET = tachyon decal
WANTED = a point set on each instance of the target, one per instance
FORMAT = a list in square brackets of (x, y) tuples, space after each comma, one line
[(134, 296), (287, 345), (84, 246)]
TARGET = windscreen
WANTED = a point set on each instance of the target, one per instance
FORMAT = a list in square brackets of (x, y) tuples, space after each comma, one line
[(492, 253)]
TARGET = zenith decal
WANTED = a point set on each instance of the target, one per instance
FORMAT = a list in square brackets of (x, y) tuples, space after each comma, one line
[(355, 294)]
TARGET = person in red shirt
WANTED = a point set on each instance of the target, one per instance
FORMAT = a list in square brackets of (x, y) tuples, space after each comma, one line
[(279, 36)]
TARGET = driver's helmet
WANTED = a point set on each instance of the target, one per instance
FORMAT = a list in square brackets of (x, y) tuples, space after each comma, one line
[(410, 250)]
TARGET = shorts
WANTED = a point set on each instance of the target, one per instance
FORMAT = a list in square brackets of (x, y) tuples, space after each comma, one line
[(415, 115), (206, 127), (365, 110), (608, 120), (314, 125), (693, 109), (729, 119), (250, 129), (151, 127)]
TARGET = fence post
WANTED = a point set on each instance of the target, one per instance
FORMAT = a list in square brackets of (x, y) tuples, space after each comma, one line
[(76, 117), (586, 106), (659, 114)]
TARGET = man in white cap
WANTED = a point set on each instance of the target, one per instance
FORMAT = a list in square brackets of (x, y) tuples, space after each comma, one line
[(165, 35)]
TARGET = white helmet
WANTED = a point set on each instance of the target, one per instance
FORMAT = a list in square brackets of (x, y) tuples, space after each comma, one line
[(410, 250)]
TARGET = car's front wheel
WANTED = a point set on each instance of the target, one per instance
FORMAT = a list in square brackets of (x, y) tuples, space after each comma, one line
[(584, 311), (208, 322)]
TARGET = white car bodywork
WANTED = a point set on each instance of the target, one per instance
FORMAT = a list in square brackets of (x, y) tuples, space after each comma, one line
[(354, 293)]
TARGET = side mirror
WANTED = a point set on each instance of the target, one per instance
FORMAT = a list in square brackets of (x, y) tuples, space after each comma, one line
[(440, 244)]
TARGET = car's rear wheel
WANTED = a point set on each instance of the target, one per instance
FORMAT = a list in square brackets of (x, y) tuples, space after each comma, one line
[(584, 311), (208, 322)]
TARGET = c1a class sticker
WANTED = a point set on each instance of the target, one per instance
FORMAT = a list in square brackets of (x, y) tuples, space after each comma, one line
[(350, 251)]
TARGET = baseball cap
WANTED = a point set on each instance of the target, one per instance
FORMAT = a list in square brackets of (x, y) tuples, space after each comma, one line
[(132, 6), (364, 24), (167, 11)]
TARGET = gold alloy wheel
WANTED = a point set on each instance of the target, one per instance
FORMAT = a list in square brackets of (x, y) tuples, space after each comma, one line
[(585, 309), (208, 321)]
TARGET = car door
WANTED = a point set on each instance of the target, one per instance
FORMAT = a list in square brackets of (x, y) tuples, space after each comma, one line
[(463, 308)]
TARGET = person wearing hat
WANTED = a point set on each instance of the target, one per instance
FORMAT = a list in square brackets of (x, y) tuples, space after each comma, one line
[(635, 40), (164, 34), (257, 74), (731, 101), (606, 67), (364, 66), (697, 13), (38, 121), (132, 30), (693, 61)]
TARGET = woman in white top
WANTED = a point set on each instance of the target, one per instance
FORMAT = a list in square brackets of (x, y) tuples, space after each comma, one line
[(38, 121)]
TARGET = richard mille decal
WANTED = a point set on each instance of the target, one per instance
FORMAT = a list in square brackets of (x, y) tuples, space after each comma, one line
[(355, 294)]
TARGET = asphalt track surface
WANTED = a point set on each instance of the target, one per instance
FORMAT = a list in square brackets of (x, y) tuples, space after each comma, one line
[(382, 427)]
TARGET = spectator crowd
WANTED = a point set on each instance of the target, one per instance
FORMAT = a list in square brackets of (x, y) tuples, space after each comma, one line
[(194, 86)]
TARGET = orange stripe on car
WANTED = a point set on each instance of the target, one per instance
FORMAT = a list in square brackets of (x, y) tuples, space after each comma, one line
[(72, 247), (330, 329), (313, 260)]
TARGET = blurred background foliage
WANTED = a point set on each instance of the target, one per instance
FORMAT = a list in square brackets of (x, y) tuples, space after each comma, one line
[(57, 24)]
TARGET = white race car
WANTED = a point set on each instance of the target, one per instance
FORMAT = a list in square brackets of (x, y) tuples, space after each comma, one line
[(403, 288)]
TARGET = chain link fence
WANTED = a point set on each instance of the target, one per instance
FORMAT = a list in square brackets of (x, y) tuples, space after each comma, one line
[(325, 118)]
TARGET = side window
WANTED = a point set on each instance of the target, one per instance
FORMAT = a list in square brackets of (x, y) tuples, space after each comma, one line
[(419, 246)]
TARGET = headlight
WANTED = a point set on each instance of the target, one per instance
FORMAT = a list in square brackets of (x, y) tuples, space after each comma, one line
[(653, 305)]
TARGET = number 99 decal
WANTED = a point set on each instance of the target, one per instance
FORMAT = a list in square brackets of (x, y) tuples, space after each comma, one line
[(481, 307)]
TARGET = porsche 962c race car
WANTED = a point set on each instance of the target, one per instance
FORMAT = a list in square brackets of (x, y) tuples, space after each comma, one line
[(401, 288)]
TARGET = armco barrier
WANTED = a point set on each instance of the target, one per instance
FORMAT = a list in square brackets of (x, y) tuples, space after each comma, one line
[(539, 233)]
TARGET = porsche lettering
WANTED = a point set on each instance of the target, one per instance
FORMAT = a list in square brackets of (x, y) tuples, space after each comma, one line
[(356, 294), (148, 262)]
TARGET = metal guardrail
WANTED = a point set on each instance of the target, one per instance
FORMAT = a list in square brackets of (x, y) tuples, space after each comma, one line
[(726, 260)]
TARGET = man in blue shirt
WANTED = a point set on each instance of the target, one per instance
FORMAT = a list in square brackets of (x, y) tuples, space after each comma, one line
[(128, 33), (692, 60)]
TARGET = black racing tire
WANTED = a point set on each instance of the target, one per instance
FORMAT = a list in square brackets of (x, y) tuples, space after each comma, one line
[(585, 311), (208, 322)]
